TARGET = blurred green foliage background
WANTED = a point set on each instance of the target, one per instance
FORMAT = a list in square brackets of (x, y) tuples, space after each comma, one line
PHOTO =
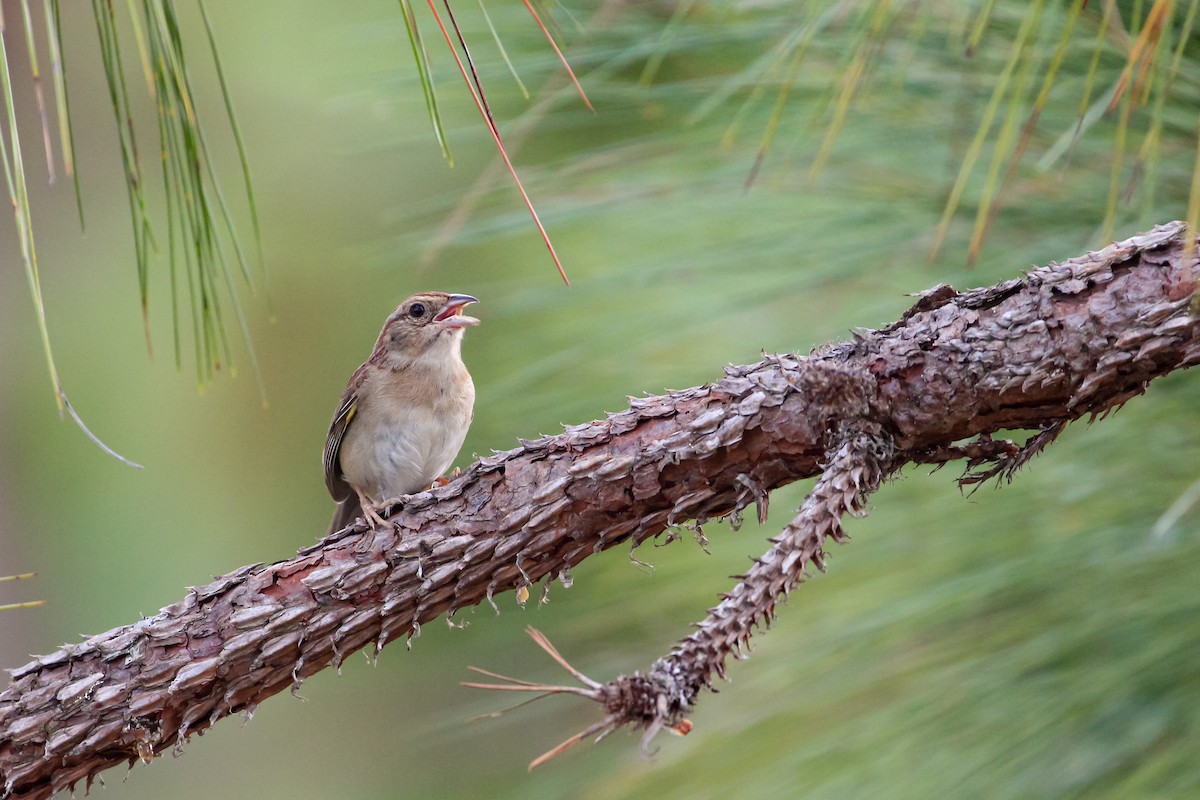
[(1036, 641)]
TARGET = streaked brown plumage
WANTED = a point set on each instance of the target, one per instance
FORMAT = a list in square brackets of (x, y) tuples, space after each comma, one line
[(405, 411)]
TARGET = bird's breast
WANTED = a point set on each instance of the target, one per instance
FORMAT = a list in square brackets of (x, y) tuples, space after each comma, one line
[(407, 430)]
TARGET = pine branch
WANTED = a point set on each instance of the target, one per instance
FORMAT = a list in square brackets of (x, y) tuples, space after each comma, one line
[(1072, 339)]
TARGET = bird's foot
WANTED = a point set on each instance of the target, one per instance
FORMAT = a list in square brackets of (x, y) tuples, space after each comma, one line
[(373, 517)]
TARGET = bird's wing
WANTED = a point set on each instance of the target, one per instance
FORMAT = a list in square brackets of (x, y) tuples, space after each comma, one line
[(342, 418)]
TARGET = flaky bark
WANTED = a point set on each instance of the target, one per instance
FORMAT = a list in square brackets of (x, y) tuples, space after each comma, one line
[(1071, 339)]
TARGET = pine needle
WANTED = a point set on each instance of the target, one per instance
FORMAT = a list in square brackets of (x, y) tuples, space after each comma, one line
[(39, 94), (563, 59), (479, 103), (425, 75), (487, 18), (1018, 49)]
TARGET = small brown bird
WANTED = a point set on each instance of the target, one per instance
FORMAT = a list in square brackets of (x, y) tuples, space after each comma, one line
[(405, 412)]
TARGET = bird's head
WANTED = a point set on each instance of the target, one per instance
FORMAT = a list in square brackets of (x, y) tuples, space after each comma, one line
[(429, 325)]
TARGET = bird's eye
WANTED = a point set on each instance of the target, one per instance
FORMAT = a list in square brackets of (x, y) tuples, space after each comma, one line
[(416, 310)]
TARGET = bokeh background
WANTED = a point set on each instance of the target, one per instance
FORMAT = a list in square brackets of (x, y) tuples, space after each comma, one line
[(1036, 640)]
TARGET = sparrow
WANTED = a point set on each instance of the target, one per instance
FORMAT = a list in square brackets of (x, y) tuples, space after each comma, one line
[(405, 412)]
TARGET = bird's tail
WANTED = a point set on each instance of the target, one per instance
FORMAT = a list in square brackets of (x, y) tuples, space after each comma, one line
[(345, 513)]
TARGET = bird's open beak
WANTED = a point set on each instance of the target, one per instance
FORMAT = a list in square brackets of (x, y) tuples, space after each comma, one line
[(452, 317)]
